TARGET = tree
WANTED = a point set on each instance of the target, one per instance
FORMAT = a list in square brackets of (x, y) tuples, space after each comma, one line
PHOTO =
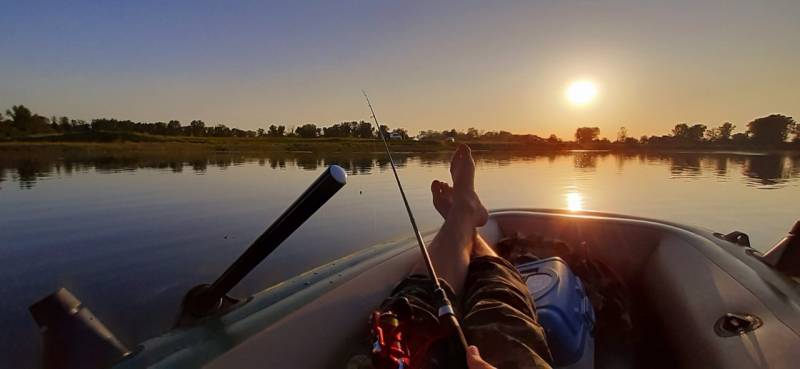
[(680, 131), (197, 128), (159, 128), (384, 129), (173, 127), (261, 133), (365, 130), (696, 132), (622, 134), (740, 138), (308, 130), (685, 133), (343, 129), (496, 135), (79, 125), (630, 141), (220, 130), (770, 130), (587, 134), (276, 131), (553, 139), (722, 133), (472, 133), (19, 113), (64, 124), (21, 117), (402, 133), (430, 135), (796, 133), (726, 131)]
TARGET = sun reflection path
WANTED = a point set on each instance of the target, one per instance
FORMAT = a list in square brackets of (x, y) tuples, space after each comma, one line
[(574, 201)]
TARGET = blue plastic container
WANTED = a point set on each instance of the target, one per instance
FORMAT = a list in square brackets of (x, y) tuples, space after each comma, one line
[(563, 310)]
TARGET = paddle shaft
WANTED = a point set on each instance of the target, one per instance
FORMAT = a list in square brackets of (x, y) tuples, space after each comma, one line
[(445, 313)]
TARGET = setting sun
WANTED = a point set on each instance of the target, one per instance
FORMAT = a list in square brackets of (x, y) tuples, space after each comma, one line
[(581, 92)]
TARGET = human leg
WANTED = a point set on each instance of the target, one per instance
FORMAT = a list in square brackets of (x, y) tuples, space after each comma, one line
[(451, 248), (499, 316)]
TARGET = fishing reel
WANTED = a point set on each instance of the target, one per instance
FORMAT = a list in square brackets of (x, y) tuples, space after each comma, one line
[(389, 348)]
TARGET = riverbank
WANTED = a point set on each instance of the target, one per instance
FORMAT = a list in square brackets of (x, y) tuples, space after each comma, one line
[(114, 142)]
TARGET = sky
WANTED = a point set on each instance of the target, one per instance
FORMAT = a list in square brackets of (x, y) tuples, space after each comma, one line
[(492, 65)]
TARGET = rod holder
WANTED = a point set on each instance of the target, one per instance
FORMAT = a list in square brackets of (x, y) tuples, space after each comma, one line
[(210, 299)]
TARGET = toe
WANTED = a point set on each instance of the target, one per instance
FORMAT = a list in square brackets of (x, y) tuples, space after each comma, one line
[(446, 189), (439, 189), (459, 153), (464, 150)]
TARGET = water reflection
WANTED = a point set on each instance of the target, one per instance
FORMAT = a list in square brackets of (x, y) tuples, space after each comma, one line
[(574, 201), (721, 166), (768, 170), (757, 170), (587, 160), (684, 165)]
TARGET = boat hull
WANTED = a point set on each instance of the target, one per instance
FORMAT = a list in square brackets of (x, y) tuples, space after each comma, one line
[(689, 277)]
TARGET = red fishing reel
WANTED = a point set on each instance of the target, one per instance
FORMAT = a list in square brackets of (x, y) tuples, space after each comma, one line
[(388, 348)]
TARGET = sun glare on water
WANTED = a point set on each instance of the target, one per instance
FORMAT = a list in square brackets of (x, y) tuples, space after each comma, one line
[(574, 201), (581, 92)]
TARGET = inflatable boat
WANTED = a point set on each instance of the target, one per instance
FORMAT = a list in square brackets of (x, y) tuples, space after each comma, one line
[(701, 300)]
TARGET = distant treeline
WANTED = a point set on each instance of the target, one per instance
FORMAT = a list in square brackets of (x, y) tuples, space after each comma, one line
[(769, 131), (20, 122)]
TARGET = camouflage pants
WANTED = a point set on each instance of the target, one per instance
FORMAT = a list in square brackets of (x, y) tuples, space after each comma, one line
[(496, 313)]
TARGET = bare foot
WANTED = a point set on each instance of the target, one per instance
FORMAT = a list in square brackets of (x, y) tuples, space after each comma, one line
[(463, 167), (443, 201), (452, 247), (465, 200), (442, 197)]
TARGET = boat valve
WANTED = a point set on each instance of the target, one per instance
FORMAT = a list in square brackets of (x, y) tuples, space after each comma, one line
[(736, 324)]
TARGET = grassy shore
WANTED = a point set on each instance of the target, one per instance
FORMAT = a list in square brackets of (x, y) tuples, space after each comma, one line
[(252, 145), (113, 141), (109, 142)]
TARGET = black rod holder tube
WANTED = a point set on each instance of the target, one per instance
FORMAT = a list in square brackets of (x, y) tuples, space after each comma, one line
[(326, 185), (205, 300)]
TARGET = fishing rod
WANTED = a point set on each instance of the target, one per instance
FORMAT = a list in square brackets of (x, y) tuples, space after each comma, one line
[(445, 307)]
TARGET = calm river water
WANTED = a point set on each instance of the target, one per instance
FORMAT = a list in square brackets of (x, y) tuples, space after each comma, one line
[(130, 234)]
